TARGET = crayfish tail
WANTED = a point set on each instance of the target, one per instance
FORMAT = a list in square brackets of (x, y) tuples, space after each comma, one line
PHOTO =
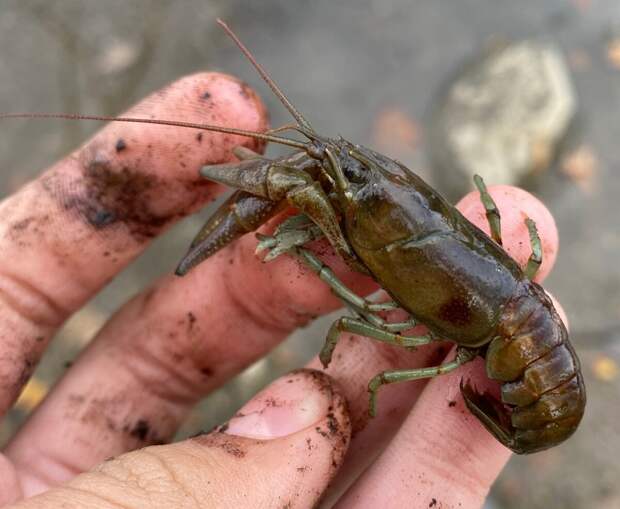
[(542, 394)]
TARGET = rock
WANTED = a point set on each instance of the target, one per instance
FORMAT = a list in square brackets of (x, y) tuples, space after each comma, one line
[(502, 117)]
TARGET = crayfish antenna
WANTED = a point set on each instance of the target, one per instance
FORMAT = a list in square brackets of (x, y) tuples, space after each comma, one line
[(272, 84), (303, 126), (192, 125)]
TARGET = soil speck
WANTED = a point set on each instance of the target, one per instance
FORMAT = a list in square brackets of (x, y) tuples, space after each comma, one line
[(120, 145)]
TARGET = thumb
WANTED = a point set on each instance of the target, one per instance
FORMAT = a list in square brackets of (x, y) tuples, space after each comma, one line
[(281, 450)]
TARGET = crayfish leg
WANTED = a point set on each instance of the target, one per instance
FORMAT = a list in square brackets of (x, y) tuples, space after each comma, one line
[(293, 232), (463, 355), (492, 212), (494, 219), (364, 328), (536, 257)]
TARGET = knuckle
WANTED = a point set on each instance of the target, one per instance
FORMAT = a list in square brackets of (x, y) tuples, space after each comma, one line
[(263, 311), (9, 482), (30, 302), (162, 375)]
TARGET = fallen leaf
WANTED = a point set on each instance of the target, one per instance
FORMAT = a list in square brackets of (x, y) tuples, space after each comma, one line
[(613, 52), (580, 166), (32, 395), (582, 5), (83, 326), (606, 369), (541, 154), (394, 129)]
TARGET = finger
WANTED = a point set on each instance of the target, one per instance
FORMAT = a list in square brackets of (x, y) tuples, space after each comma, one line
[(10, 489), (162, 352), (281, 450), (357, 360), (441, 456), (66, 234)]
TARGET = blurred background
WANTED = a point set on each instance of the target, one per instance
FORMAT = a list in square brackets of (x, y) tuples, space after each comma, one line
[(525, 92)]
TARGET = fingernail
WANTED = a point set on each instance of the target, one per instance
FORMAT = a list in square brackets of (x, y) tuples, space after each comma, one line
[(290, 404)]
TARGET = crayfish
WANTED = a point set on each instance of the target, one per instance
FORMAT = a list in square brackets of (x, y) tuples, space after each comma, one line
[(447, 274)]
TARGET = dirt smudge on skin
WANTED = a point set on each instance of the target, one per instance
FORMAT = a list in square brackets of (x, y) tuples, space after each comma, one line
[(109, 416), (246, 91), (360, 422), (144, 432), (29, 364), (140, 429), (232, 445), (106, 198), (191, 320), (207, 372), (26, 229), (22, 224), (110, 193), (120, 145)]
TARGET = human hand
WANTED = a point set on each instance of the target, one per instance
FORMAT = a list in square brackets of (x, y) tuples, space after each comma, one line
[(68, 233)]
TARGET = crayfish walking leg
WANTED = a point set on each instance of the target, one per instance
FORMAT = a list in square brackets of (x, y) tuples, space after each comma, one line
[(463, 355), (493, 217)]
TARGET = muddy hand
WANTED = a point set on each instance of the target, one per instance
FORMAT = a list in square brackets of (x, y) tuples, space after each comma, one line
[(65, 235)]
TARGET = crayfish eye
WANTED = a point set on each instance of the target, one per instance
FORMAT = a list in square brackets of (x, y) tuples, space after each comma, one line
[(355, 172)]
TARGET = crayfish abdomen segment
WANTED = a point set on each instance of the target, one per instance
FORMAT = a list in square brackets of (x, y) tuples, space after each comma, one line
[(543, 375), (528, 329), (543, 394)]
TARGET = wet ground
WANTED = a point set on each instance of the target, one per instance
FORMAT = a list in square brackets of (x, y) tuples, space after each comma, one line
[(368, 70)]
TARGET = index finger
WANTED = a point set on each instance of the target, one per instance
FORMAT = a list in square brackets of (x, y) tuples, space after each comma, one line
[(66, 234)]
